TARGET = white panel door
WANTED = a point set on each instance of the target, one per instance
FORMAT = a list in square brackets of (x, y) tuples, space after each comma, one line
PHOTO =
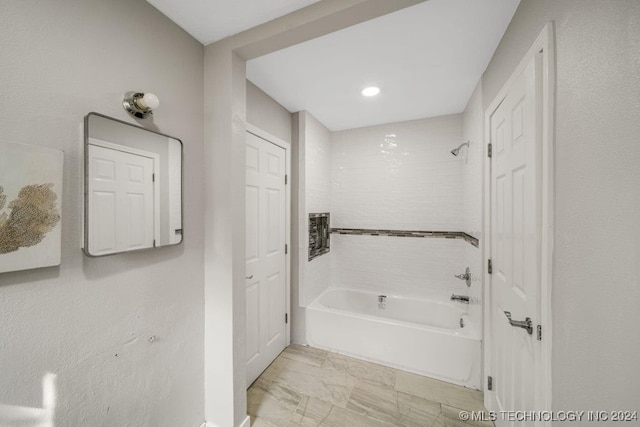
[(515, 245), (121, 196), (265, 254)]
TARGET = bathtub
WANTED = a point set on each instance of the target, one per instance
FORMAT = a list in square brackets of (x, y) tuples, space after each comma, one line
[(416, 335)]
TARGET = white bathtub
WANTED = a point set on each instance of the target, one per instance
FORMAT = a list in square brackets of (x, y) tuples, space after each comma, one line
[(417, 335)]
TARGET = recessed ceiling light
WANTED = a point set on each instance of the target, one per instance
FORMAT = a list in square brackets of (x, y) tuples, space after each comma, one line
[(371, 91)]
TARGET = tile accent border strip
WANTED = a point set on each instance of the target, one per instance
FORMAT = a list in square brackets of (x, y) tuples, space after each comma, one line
[(405, 233)]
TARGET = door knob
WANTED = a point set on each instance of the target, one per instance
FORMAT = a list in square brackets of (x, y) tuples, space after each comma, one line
[(524, 324), (249, 277)]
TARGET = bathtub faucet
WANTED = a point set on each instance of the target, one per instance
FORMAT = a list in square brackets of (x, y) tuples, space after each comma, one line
[(460, 298)]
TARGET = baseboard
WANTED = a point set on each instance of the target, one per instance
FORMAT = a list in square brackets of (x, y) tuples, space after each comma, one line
[(245, 423)]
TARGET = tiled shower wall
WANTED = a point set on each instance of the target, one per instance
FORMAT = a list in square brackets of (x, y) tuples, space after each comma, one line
[(314, 197), (472, 158), (406, 266), (399, 176), (472, 176)]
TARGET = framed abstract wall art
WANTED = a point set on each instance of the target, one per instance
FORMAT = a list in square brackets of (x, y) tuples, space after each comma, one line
[(30, 206)]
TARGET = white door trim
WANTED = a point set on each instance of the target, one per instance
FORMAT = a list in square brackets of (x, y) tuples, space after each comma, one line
[(254, 130), (544, 44)]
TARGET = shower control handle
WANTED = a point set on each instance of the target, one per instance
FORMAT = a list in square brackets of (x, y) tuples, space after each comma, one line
[(524, 324), (466, 276)]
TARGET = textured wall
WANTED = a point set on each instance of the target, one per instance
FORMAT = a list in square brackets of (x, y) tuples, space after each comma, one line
[(89, 321), (265, 113), (596, 285), (224, 207)]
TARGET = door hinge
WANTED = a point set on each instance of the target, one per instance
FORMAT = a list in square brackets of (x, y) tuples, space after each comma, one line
[(154, 243), (153, 177), (286, 249), (286, 318), (286, 179), (490, 150), (489, 266), (539, 331), (489, 383)]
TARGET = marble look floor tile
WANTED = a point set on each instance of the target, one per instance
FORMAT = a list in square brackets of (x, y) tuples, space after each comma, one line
[(332, 387), (272, 370), (449, 422), (287, 397), (393, 407), (375, 401), (341, 417), (273, 403), (412, 422), (306, 354), (453, 413), (259, 422), (307, 387), (310, 412), (416, 411), (439, 391), (360, 369), (438, 422)]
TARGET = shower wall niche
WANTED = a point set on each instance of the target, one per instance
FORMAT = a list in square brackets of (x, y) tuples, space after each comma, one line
[(318, 234)]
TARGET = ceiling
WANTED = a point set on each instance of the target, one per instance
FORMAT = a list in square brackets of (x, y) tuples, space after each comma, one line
[(212, 20), (426, 59)]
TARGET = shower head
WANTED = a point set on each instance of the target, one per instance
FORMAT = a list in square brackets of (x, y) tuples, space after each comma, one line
[(456, 151)]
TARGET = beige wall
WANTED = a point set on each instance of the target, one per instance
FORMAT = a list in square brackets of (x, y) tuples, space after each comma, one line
[(596, 282), (224, 156), (265, 113), (89, 321)]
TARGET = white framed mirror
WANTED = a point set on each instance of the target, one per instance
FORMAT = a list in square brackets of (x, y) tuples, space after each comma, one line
[(132, 187)]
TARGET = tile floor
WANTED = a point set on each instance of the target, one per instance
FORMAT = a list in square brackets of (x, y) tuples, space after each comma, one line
[(309, 387)]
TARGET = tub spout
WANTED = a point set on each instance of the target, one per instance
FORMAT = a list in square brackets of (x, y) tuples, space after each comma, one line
[(460, 298)]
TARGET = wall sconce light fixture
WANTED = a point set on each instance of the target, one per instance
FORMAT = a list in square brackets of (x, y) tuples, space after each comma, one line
[(139, 104)]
